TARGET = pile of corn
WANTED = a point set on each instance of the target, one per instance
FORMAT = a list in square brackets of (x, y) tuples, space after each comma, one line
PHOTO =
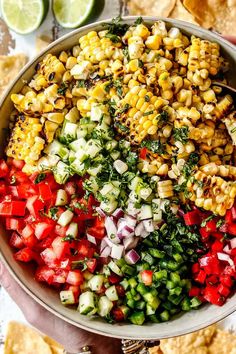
[(144, 73)]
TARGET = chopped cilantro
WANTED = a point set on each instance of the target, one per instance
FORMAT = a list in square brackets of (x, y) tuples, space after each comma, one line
[(147, 98), (40, 178), (190, 164), (220, 222), (80, 206), (131, 159), (81, 83), (126, 52), (140, 63), (62, 89), (69, 238), (154, 145), (116, 27), (113, 37), (53, 213), (204, 222), (181, 134), (147, 113), (121, 127), (138, 21)]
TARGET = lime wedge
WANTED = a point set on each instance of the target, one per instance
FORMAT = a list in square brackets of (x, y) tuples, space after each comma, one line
[(24, 16), (72, 13)]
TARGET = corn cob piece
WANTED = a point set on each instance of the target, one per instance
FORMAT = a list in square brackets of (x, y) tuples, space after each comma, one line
[(204, 55), (219, 138), (50, 70), (211, 169), (25, 141), (141, 118), (96, 49), (230, 123), (223, 107), (211, 192)]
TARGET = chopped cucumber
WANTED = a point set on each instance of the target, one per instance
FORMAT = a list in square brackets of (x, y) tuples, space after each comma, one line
[(67, 297), (104, 306), (62, 198), (61, 172), (114, 268), (111, 293), (69, 131), (93, 147), (77, 144), (87, 303), (72, 230), (137, 318), (65, 218), (145, 212), (78, 167), (96, 282), (56, 148)]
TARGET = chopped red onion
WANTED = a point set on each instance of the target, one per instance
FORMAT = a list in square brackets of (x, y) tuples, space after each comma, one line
[(91, 239), (106, 252), (233, 242), (132, 257), (145, 234), (100, 211), (117, 251), (130, 242), (110, 227), (131, 210), (110, 242), (103, 244), (118, 213), (226, 258), (139, 229), (148, 225), (130, 220)]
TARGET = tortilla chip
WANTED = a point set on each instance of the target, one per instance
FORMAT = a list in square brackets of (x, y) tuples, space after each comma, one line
[(161, 8), (42, 42), (9, 68), (216, 14), (223, 343), (56, 348), (180, 13), (194, 343), (21, 339)]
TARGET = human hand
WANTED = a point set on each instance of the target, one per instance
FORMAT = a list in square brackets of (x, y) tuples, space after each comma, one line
[(71, 337)]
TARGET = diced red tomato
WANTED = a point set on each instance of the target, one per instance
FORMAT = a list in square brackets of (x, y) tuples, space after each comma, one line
[(24, 255), (49, 257), (192, 218), (194, 291), (114, 278), (212, 280), (12, 208), (210, 264), (211, 226), (76, 291), (212, 295), (204, 233), (18, 164), (228, 217), (45, 191), (45, 243), (18, 176), (195, 268), (98, 228), (4, 169), (14, 224), (232, 229), (84, 248), (117, 314), (13, 191), (91, 265), (233, 213), (146, 276), (60, 247), (34, 205), (223, 290), (226, 280), (75, 277), (60, 276), (70, 187), (28, 236), (26, 190), (120, 291), (43, 229), (200, 277), (143, 153), (3, 188), (44, 274), (16, 241), (60, 230), (217, 246)]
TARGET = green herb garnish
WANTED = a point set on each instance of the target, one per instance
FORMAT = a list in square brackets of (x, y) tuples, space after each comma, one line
[(40, 178), (154, 145), (181, 134)]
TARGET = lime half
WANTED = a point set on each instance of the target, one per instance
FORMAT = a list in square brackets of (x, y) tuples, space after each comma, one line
[(72, 13), (24, 16)]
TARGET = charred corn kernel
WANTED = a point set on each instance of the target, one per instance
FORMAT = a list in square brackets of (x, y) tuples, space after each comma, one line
[(67, 77), (183, 57), (162, 171), (153, 42), (218, 195), (73, 115), (55, 117), (165, 189), (209, 96), (177, 83), (141, 31), (50, 130), (135, 47), (76, 51), (63, 56), (71, 62), (164, 81)]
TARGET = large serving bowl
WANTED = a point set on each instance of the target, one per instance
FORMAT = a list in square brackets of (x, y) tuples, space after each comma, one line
[(24, 275)]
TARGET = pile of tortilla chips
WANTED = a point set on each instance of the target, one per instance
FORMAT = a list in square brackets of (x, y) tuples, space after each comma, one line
[(218, 15), (210, 340), (21, 339)]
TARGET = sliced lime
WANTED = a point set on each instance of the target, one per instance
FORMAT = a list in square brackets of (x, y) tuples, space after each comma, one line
[(72, 13), (24, 16)]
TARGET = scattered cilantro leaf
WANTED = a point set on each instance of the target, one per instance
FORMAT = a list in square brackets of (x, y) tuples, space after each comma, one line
[(181, 134), (154, 145), (40, 178)]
